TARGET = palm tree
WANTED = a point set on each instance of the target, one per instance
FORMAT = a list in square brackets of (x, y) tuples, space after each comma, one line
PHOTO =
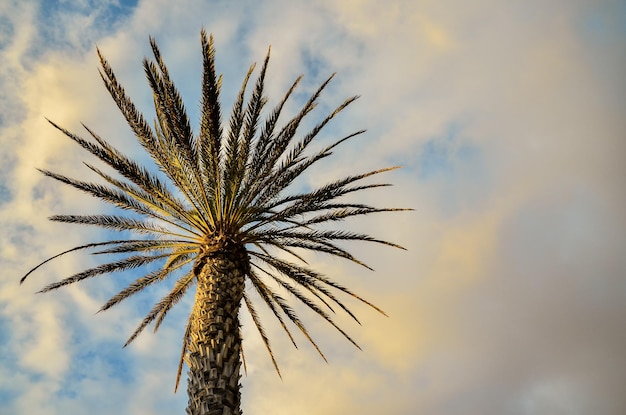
[(216, 216)]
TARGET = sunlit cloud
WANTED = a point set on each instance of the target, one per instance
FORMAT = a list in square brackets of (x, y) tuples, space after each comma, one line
[(508, 122)]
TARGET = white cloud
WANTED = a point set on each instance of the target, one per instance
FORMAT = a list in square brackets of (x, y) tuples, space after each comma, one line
[(510, 298)]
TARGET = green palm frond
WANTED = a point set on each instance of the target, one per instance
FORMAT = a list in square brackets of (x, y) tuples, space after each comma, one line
[(215, 184)]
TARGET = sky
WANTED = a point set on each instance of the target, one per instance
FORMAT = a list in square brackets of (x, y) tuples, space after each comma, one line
[(508, 120)]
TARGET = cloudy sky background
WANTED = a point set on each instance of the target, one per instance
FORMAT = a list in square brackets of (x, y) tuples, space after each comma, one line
[(508, 118)]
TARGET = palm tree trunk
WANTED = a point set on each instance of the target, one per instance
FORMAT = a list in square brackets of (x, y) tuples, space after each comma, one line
[(215, 342)]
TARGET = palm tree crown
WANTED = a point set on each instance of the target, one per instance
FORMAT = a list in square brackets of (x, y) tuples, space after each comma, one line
[(219, 193)]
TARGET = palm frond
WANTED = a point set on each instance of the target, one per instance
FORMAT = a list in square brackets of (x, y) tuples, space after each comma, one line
[(210, 140), (260, 148), (294, 156), (140, 176), (180, 288), (308, 279), (149, 245), (271, 299), (163, 306), (77, 248), (141, 283), (239, 165), (113, 196), (178, 158), (185, 344), (289, 312), (280, 248), (233, 144), (315, 246), (119, 223), (122, 265), (289, 171), (135, 119), (313, 306), (340, 213), (172, 210), (257, 323), (330, 191), (319, 236), (277, 147)]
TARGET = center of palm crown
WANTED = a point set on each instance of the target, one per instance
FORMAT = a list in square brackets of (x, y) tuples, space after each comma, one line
[(221, 245)]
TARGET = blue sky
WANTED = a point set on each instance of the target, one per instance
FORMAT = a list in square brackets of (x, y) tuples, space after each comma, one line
[(508, 120)]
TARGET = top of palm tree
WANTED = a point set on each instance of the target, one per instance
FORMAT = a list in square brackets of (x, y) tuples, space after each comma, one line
[(217, 187)]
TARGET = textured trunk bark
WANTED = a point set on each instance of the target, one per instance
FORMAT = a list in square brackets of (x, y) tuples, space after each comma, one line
[(214, 349)]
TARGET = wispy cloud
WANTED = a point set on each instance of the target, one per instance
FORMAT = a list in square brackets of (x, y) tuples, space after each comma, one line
[(508, 120)]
